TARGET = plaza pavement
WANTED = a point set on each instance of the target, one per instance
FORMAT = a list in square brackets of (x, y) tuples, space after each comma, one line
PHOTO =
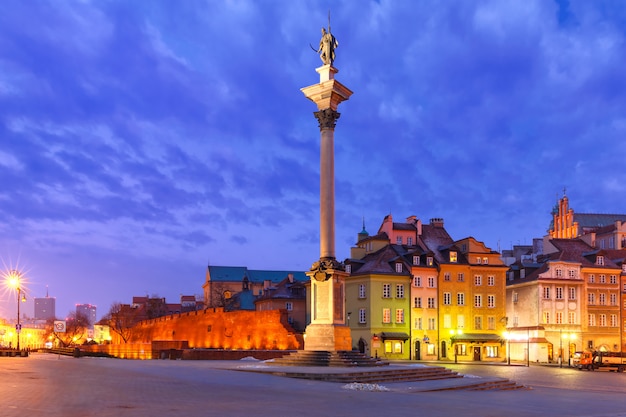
[(51, 385)]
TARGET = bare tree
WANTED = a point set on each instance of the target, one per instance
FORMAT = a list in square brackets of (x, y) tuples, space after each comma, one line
[(121, 318), (76, 325)]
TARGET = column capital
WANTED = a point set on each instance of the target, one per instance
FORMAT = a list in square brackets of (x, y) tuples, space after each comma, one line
[(327, 118)]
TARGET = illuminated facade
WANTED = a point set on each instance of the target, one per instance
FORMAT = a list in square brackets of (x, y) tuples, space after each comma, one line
[(455, 297)]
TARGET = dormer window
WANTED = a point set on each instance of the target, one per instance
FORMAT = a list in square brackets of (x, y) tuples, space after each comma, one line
[(453, 257), (399, 240), (398, 267), (416, 260), (349, 269), (485, 261), (600, 260), (429, 261), (478, 260)]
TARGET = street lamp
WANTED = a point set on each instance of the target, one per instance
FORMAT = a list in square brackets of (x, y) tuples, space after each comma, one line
[(454, 333), (13, 281)]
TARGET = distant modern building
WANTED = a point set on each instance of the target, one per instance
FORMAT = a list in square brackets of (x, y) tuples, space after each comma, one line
[(88, 310), (45, 308)]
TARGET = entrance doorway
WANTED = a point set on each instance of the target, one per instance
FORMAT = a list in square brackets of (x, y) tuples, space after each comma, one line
[(362, 345), (444, 351), (418, 351), (476, 353)]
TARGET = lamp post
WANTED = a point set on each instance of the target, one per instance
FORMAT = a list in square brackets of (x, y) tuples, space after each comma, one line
[(453, 334), (507, 336), (13, 279)]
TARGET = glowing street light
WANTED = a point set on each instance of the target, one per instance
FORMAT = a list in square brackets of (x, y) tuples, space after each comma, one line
[(13, 280), (454, 333), (507, 336)]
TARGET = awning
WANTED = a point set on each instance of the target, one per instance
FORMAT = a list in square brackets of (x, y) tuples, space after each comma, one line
[(477, 337), (394, 336)]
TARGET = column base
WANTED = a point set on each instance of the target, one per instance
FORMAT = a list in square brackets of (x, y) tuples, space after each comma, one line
[(328, 337)]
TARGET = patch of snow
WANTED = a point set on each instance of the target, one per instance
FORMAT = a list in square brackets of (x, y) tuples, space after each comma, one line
[(357, 386)]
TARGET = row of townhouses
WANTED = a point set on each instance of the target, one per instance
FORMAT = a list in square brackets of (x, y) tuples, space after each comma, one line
[(415, 293)]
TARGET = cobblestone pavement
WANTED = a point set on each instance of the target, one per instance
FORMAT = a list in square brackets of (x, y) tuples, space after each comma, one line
[(49, 385)]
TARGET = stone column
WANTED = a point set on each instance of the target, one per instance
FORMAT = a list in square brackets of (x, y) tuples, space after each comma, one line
[(328, 330)]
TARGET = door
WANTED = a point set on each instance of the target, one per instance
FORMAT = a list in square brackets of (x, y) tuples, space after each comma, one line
[(444, 351), (418, 352), (476, 353)]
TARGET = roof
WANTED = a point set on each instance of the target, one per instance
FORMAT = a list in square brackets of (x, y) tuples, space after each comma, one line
[(591, 220), (380, 262), (478, 337), (394, 336), (237, 273)]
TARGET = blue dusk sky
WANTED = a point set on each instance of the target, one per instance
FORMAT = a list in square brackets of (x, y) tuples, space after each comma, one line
[(142, 140)]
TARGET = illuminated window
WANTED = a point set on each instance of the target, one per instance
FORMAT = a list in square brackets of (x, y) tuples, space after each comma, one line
[(485, 261), (430, 349), (417, 302), (491, 280), (460, 277), (447, 321), (478, 260), (400, 291), (447, 298), (429, 261), (478, 280), (461, 349), (362, 316), (399, 315), (460, 321), (478, 322), (393, 346), (227, 294), (491, 351), (386, 315), (546, 317), (386, 290), (491, 301), (453, 256), (289, 306)]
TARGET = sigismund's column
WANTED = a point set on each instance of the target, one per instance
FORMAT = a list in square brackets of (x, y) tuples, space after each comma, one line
[(328, 330)]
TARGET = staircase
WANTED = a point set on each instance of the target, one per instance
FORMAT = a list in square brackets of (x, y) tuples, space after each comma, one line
[(341, 358)]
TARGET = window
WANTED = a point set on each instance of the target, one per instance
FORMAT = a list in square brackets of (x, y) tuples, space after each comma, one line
[(559, 272), (386, 290), (613, 279), (399, 315), (591, 298), (491, 351), (613, 298), (362, 319), (431, 302), (602, 299), (491, 301), (348, 268), (386, 315), (460, 299), (491, 280), (478, 322), (460, 277), (417, 302), (398, 267), (393, 346), (409, 241), (546, 293), (417, 323), (592, 278), (602, 322), (559, 317), (447, 321), (559, 293), (571, 317), (361, 290), (446, 276), (478, 280), (546, 317), (515, 297), (429, 261), (572, 293), (453, 256), (417, 281), (478, 260), (600, 260), (430, 349), (613, 320), (602, 279), (591, 319), (400, 291), (431, 323), (485, 261), (478, 300), (447, 298), (461, 349), (399, 240), (289, 306), (431, 282), (416, 260), (460, 321), (491, 323), (572, 273)]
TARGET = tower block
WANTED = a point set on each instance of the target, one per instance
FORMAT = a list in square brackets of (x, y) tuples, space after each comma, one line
[(328, 330)]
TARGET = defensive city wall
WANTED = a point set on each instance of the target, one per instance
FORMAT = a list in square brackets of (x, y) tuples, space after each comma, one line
[(207, 334)]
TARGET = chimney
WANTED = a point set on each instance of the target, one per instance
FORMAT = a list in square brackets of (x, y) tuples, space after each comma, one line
[(437, 222), (290, 278)]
